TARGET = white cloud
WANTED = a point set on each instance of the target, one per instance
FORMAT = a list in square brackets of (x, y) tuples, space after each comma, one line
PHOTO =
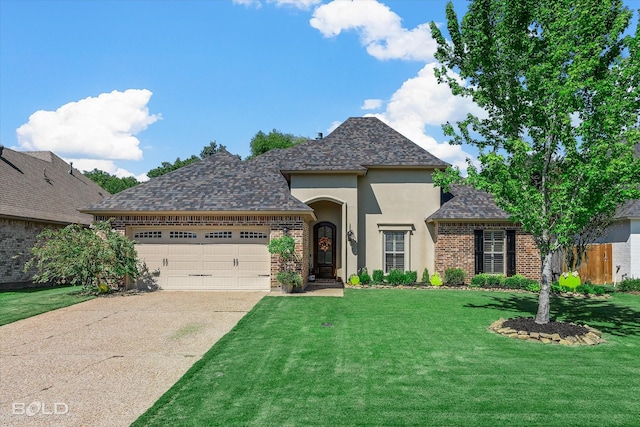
[(420, 102), (108, 166), (371, 104), (432, 103), (298, 4), (102, 127), (380, 29)]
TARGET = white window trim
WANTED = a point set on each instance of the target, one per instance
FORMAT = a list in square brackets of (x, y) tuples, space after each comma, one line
[(408, 231)]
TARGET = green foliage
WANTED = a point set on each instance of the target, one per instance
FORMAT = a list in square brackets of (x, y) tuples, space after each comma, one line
[(485, 280), (425, 275), (83, 256), (396, 277), (111, 183), (354, 280), (435, 280), (166, 167), (261, 142), (289, 278), (365, 279), (412, 277), (517, 281), (560, 84), (378, 276), (285, 247), (454, 277), (629, 285)]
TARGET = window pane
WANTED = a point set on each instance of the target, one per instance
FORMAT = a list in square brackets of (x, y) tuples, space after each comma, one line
[(393, 250)]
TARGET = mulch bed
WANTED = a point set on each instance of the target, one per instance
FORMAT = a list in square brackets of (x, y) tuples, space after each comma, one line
[(528, 324)]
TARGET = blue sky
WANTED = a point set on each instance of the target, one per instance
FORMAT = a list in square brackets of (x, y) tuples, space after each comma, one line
[(123, 85)]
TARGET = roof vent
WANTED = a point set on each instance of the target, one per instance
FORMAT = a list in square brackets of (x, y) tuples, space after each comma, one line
[(70, 168), (1, 149), (319, 135)]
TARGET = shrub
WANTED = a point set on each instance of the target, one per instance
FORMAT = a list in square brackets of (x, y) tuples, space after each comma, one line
[(495, 281), (91, 257), (478, 281), (365, 279), (518, 282), (533, 286), (378, 276), (397, 277), (454, 277), (289, 278), (425, 275), (412, 277), (354, 280), (569, 280), (629, 285), (435, 280)]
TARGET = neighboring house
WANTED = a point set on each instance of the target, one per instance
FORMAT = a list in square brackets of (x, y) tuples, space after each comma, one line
[(474, 234), (38, 190), (624, 237)]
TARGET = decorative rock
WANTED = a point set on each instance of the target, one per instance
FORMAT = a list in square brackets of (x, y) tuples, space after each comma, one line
[(592, 337)]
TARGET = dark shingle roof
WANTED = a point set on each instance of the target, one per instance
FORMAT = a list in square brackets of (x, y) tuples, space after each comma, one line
[(356, 144), (38, 186), (467, 203), (221, 182), (631, 209)]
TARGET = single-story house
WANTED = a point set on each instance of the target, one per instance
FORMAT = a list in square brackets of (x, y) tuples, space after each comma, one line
[(38, 190), (624, 238), (363, 196)]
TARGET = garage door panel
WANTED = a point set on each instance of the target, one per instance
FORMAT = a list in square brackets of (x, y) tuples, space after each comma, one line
[(211, 266), (185, 250), (220, 250), (254, 283), (185, 283)]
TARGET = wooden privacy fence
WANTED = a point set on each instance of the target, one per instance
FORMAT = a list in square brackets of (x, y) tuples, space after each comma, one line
[(597, 267)]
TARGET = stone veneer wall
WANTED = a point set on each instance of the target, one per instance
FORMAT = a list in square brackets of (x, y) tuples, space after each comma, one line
[(455, 248), (298, 229), (17, 237)]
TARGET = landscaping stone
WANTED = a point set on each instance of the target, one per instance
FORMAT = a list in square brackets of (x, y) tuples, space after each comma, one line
[(581, 335)]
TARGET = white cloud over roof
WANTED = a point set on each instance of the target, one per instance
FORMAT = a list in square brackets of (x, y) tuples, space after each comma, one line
[(102, 127), (380, 29), (371, 104)]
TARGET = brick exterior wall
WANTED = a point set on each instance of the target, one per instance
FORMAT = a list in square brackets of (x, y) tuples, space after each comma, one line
[(455, 248), (17, 237), (298, 229)]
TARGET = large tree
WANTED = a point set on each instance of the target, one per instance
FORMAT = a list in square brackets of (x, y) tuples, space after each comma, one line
[(560, 83), (113, 184), (263, 142), (166, 167)]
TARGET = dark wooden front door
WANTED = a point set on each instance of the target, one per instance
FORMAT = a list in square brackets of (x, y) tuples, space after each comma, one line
[(324, 235)]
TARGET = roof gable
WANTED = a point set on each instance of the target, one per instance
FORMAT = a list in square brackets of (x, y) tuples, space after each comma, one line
[(464, 202), (221, 182), (355, 145), (38, 186)]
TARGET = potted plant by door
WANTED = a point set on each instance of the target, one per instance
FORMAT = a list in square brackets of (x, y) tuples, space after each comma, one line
[(289, 279)]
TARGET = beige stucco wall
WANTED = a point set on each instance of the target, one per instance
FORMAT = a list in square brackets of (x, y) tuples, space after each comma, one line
[(397, 200), (380, 200), (342, 190)]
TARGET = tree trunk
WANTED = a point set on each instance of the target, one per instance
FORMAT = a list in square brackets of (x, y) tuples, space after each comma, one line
[(545, 286)]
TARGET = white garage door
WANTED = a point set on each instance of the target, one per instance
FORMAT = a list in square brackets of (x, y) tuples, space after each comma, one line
[(206, 259)]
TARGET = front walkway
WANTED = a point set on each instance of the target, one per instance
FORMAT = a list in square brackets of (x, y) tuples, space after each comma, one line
[(320, 289), (104, 362)]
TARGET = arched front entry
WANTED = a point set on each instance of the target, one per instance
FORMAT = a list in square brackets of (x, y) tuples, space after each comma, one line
[(324, 244)]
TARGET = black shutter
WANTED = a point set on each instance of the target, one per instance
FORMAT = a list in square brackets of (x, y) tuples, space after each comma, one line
[(479, 250), (511, 252)]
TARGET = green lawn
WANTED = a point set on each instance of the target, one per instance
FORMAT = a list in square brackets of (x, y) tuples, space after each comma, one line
[(20, 304), (408, 357)]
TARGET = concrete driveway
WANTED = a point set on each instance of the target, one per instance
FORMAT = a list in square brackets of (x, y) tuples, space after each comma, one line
[(104, 362)]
